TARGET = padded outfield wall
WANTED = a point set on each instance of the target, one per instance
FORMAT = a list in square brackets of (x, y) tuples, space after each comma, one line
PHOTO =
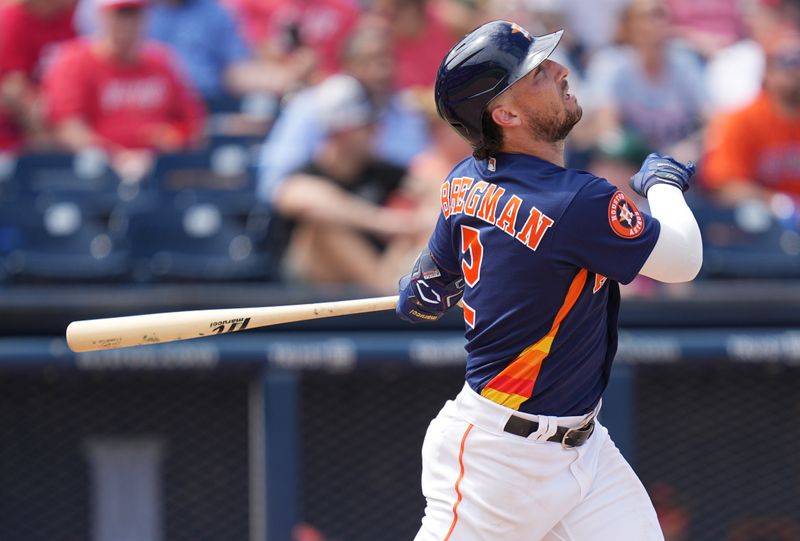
[(244, 436)]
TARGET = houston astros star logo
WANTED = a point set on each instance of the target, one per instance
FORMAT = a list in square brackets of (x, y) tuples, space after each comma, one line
[(624, 218), (626, 215), (516, 29)]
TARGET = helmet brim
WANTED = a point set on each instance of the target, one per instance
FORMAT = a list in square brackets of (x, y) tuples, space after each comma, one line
[(540, 50)]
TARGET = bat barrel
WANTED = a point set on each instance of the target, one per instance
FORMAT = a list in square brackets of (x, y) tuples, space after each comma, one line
[(120, 332)]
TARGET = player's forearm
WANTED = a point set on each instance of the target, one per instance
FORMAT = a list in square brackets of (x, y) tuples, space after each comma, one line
[(678, 253)]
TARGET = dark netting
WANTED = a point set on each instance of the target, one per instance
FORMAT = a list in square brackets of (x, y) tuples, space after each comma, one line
[(718, 450), (361, 442), (716, 445), (47, 420)]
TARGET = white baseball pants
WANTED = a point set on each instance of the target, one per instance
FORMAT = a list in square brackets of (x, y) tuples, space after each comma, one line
[(484, 484)]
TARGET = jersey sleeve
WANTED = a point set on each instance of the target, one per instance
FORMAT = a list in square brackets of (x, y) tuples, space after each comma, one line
[(442, 246), (602, 231)]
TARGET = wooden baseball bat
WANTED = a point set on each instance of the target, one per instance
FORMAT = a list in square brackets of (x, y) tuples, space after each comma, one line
[(122, 332)]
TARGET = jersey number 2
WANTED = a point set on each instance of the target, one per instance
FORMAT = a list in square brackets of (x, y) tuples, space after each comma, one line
[(471, 242)]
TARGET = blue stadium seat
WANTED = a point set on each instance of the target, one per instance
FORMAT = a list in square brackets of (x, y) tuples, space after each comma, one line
[(224, 104), (223, 175), (252, 114), (55, 216), (189, 238), (86, 172), (250, 144), (747, 242), (258, 105), (57, 239), (68, 217)]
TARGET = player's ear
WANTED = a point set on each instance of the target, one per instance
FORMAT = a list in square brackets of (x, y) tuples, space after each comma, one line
[(505, 116)]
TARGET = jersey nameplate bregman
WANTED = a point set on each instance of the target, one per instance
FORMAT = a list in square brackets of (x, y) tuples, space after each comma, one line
[(482, 200)]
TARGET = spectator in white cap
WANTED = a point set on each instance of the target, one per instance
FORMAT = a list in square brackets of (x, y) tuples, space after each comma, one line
[(120, 92), (400, 134), (332, 212)]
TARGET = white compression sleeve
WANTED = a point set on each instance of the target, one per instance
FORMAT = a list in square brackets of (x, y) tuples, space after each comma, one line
[(678, 253)]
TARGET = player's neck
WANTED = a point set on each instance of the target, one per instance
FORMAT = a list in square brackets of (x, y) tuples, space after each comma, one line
[(552, 152)]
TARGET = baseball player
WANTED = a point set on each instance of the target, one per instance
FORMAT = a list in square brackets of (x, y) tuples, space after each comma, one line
[(535, 252)]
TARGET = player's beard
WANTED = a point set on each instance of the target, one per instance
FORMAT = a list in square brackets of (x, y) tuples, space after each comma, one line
[(553, 126)]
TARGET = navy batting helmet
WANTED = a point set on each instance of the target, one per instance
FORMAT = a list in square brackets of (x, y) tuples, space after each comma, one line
[(483, 65)]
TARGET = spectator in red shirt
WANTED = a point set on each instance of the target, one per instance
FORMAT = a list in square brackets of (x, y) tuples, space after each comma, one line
[(303, 37), (707, 26), (419, 39), (121, 92), (29, 32)]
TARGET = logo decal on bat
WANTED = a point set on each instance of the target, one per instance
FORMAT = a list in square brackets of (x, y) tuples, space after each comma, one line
[(239, 324)]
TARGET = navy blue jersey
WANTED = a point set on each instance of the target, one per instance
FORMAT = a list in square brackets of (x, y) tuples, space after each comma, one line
[(541, 249)]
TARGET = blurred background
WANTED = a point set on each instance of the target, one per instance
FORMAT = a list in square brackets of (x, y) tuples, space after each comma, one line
[(187, 154)]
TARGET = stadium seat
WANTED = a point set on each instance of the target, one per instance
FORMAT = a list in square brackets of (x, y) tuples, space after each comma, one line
[(224, 104), (87, 172), (257, 104), (252, 114), (747, 242), (249, 143), (47, 238), (55, 220), (189, 238), (223, 175)]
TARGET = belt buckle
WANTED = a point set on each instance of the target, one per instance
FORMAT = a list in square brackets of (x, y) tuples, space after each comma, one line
[(587, 427)]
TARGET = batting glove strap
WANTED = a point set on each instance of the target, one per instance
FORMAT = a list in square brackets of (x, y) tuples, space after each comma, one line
[(658, 169), (428, 292)]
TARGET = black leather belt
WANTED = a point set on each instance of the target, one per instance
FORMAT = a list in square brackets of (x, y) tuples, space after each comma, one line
[(568, 437)]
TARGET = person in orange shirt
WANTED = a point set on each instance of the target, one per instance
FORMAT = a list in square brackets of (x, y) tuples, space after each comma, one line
[(754, 152)]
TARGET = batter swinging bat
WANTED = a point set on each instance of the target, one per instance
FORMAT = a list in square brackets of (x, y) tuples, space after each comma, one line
[(121, 332)]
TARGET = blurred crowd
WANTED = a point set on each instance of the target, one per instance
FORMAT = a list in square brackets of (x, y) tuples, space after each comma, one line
[(354, 153)]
